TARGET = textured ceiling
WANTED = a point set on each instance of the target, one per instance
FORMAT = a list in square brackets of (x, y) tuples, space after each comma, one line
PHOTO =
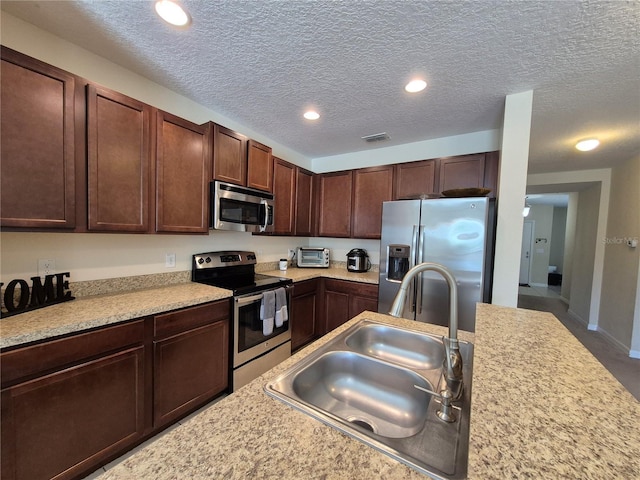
[(262, 63)]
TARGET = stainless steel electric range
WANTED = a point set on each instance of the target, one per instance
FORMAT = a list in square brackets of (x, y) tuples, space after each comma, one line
[(255, 348)]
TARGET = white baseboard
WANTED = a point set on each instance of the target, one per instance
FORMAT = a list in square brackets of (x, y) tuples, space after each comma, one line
[(617, 343), (577, 317), (542, 285)]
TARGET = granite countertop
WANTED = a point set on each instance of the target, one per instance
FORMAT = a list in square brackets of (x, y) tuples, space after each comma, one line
[(100, 310), (543, 407), (339, 273)]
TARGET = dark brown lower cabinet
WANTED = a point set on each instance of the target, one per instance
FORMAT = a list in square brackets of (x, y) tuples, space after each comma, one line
[(72, 404), (191, 365), (343, 300), (304, 313)]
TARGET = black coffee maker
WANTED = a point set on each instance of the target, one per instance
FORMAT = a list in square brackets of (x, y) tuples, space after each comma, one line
[(358, 260)]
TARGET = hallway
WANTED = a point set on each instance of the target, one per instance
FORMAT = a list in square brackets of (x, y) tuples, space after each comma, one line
[(621, 366)]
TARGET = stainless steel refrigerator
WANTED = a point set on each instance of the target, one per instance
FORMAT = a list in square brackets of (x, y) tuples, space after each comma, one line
[(455, 232)]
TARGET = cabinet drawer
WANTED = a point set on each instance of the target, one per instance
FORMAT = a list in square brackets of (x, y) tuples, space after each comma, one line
[(55, 354), (352, 288), (304, 288), (185, 319)]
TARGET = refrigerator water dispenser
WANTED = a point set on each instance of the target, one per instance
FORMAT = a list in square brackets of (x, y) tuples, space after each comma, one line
[(398, 263)]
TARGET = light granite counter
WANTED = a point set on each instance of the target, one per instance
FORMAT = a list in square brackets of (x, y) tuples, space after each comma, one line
[(100, 310), (543, 407), (339, 273)]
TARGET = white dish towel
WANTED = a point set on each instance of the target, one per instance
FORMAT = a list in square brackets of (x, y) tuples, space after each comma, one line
[(267, 311), (282, 314)]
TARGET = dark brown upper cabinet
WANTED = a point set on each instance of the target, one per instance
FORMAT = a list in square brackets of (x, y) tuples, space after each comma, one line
[(183, 170), (229, 155), (371, 187), (464, 171), (415, 179), (119, 161), (304, 217), (38, 123), (284, 189), (335, 204), (259, 166)]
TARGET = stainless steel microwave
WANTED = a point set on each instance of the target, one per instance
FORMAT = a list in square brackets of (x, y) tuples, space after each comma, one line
[(240, 208), (317, 257)]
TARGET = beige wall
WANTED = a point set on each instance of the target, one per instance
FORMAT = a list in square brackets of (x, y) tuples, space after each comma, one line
[(617, 308), (556, 254), (542, 216), (569, 243), (584, 253)]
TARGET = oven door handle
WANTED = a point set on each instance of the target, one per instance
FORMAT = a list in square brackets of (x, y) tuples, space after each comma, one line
[(241, 301)]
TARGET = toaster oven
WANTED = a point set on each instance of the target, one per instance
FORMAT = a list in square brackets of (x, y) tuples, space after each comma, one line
[(312, 257)]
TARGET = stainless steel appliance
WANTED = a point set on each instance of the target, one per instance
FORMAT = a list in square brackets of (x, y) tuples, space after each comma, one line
[(358, 260), (454, 232), (253, 351), (314, 257), (240, 208)]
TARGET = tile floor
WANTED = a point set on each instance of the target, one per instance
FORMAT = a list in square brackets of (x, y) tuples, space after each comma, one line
[(624, 368)]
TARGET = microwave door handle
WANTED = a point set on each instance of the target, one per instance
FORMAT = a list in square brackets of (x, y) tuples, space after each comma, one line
[(263, 227)]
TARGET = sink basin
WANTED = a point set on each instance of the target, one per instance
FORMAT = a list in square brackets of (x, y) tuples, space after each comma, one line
[(371, 394), (362, 381), (399, 346)]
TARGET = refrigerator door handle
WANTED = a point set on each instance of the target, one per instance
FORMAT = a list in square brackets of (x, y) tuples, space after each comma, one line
[(412, 261), (418, 278)]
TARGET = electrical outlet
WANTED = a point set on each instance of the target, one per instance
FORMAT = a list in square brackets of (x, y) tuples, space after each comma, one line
[(170, 260), (46, 266)]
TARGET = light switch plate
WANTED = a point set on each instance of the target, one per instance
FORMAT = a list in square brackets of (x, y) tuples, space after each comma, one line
[(170, 260)]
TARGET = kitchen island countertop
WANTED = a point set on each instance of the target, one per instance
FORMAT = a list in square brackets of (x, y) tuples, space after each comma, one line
[(543, 407)]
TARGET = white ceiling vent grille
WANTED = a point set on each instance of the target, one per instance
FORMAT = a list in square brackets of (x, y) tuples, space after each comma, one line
[(376, 137)]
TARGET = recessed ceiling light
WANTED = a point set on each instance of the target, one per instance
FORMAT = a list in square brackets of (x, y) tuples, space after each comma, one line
[(588, 144), (172, 13), (311, 115), (415, 86)]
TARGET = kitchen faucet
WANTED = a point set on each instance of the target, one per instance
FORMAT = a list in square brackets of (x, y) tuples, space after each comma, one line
[(453, 360)]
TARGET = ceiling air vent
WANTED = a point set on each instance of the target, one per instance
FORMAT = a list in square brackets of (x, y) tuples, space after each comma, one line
[(376, 137)]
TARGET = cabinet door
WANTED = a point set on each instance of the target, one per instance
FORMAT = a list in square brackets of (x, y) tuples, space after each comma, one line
[(259, 166), (336, 309), (119, 156), (414, 179), (304, 305), (189, 369), (466, 171), (62, 424), (37, 169), (358, 304), (304, 203), (284, 190), (229, 156), (182, 175), (371, 187), (334, 197)]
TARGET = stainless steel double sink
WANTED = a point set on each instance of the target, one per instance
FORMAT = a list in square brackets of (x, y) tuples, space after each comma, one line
[(362, 382)]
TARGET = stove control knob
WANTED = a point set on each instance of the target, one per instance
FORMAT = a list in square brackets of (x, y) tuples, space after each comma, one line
[(208, 260), (201, 260)]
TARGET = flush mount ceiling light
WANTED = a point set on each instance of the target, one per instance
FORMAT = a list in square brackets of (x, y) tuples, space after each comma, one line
[(587, 144), (311, 115), (415, 86), (172, 13)]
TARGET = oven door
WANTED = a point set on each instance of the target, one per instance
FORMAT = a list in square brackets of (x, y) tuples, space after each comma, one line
[(249, 341), (240, 208)]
